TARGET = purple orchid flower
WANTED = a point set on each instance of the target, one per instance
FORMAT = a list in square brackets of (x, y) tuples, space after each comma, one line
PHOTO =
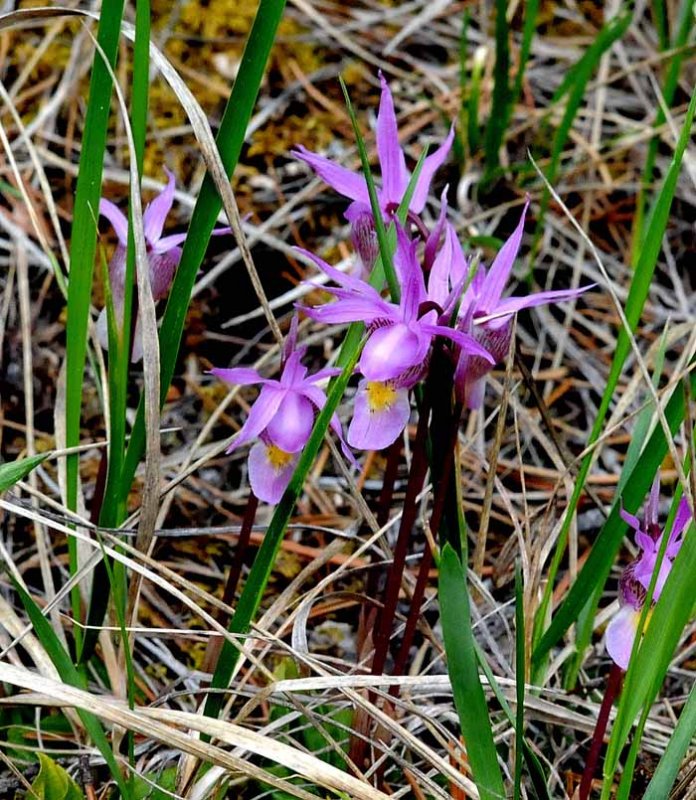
[(282, 419), (395, 355), (486, 315), (635, 579), (395, 178), (164, 254)]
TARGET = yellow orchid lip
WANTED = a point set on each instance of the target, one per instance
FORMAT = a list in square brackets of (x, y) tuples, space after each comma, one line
[(277, 458)]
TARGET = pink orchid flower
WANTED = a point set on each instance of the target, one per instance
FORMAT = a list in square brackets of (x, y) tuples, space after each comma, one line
[(164, 254), (635, 579)]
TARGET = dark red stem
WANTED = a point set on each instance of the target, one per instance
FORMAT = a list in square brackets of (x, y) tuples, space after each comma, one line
[(612, 690)]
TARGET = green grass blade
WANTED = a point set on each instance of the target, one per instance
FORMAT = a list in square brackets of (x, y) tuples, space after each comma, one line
[(70, 675), (84, 230), (230, 139), (637, 295), (670, 763), (531, 12), (648, 668), (497, 121), (257, 580), (462, 665), (83, 244), (14, 471)]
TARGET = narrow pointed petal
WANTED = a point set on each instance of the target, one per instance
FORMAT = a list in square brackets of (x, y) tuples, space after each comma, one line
[(380, 415), (464, 340), (293, 371), (344, 279), (410, 275), (432, 243), (156, 212), (501, 268), (391, 157), (119, 222), (511, 305), (449, 269), (430, 166), (166, 243), (349, 184), (343, 311), (630, 519), (261, 413), (620, 635), (270, 471), (392, 350), (681, 519), (240, 376), (321, 375), (292, 424)]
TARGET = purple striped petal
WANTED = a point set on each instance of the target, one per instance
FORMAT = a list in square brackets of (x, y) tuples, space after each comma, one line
[(349, 184), (119, 222), (501, 268), (381, 412), (162, 269), (620, 635), (391, 157), (156, 212), (291, 426), (430, 166), (270, 470), (392, 350)]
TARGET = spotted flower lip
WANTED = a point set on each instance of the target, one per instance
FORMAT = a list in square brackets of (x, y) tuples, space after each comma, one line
[(637, 576), (164, 254), (282, 418), (392, 161)]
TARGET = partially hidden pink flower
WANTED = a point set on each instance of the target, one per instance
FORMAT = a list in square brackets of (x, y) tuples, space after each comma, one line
[(636, 577), (395, 178), (395, 355), (164, 254), (281, 418)]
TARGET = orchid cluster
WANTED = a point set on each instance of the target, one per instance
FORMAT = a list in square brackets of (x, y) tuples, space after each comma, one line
[(442, 296), (637, 576)]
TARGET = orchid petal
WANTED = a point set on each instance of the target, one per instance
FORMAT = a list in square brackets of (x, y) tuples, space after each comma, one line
[(162, 269), (119, 222), (410, 275), (293, 371), (652, 507), (630, 519), (501, 268), (377, 422), (433, 241), (349, 184), (343, 311), (511, 305), (392, 350), (240, 376), (262, 412), (430, 166), (464, 340), (157, 210), (391, 156), (291, 426), (317, 397), (166, 243), (681, 519), (620, 635), (270, 471)]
